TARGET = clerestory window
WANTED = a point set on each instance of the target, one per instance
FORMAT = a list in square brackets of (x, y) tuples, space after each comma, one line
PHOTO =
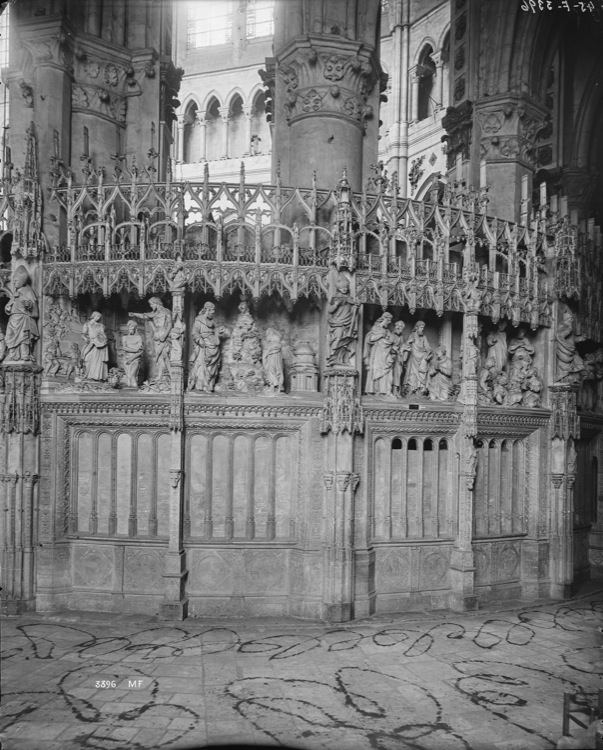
[(209, 23), (260, 18)]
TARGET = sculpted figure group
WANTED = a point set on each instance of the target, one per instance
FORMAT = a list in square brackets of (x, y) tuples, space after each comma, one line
[(507, 376), (395, 367)]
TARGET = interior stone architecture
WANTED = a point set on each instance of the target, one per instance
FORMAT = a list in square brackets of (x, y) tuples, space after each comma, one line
[(360, 372)]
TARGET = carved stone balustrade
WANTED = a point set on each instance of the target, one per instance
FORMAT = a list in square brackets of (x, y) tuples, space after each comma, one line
[(126, 234)]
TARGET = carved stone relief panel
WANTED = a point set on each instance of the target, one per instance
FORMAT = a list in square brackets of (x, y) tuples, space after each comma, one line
[(93, 567), (392, 570), (143, 570)]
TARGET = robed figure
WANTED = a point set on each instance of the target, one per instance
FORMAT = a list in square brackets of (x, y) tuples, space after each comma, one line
[(96, 349), (342, 317), (379, 356), (207, 353), (22, 328), (419, 357)]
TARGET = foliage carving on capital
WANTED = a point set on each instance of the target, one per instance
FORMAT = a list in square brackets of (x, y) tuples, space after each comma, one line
[(327, 81), (511, 131)]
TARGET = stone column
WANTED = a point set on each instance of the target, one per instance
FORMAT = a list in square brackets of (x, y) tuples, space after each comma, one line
[(180, 139), (175, 602), (398, 134), (565, 430), (19, 429), (461, 563), (248, 114), (507, 128), (325, 89), (414, 95), (439, 63), (202, 125), (341, 420), (225, 117)]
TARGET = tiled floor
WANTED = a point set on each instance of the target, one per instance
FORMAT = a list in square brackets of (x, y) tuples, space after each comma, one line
[(494, 679)]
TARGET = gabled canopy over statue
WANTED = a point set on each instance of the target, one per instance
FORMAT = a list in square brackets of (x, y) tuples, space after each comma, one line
[(22, 328)]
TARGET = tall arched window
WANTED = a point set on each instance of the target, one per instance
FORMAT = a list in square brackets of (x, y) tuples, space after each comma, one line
[(236, 129), (260, 130), (191, 151), (213, 131), (426, 71)]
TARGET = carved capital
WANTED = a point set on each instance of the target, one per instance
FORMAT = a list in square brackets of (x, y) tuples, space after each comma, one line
[(321, 79), (99, 101), (29, 479), (328, 478), (557, 480), (510, 129)]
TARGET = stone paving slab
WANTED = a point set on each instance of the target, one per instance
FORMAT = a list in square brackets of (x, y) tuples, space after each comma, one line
[(475, 681)]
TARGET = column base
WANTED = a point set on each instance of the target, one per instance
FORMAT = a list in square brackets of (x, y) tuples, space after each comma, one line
[(175, 611), (463, 602), (561, 590), (337, 612), (17, 606)]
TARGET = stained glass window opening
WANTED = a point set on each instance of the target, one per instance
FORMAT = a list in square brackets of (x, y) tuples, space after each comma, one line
[(209, 23)]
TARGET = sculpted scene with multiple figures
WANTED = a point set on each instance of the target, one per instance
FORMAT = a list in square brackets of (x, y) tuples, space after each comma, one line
[(368, 378)]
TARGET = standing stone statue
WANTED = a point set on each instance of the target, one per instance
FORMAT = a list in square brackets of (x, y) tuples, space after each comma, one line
[(52, 358), (22, 328), (497, 346), (440, 375), (96, 350), (272, 361), (2, 345), (207, 354), (74, 361), (379, 356), (400, 357), (521, 352), (419, 357), (342, 318), (161, 323), (569, 362), (133, 346)]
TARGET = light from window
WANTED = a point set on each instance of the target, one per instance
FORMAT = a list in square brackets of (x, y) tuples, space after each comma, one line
[(260, 14), (209, 23)]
